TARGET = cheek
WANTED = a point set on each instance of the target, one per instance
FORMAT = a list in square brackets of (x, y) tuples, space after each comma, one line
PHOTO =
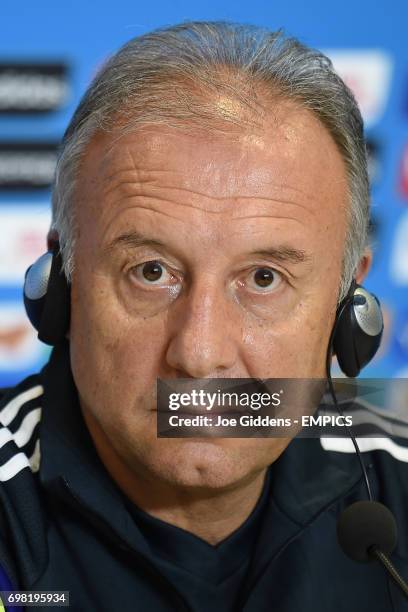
[(112, 354), (295, 348)]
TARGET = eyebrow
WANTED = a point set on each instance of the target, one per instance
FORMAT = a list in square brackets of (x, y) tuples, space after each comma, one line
[(281, 253), (133, 240), (284, 253)]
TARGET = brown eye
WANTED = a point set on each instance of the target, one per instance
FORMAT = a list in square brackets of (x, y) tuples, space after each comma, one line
[(264, 277), (152, 271), (264, 280)]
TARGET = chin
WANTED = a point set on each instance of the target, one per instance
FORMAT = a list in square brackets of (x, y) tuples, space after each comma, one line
[(204, 463)]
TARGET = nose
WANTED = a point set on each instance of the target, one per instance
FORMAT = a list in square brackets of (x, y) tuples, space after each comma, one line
[(204, 343)]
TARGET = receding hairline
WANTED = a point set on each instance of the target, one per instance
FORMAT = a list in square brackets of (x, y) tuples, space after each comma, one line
[(275, 110), (280, 108)]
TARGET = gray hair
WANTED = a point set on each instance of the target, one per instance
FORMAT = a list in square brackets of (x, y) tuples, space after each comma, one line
[(173, 75)]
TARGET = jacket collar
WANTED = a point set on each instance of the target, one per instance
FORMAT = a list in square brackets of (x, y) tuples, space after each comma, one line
[(306, 479)]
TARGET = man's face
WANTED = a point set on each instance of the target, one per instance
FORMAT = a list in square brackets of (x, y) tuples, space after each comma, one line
[(202, 257)]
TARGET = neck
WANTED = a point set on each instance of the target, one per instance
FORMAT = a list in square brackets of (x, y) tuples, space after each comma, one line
[(209, 514)]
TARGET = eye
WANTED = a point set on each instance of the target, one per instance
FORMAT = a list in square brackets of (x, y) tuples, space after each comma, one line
[(152, 273), (264, 280)]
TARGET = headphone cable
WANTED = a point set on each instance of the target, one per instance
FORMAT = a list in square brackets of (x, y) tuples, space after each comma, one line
[(333, 395)]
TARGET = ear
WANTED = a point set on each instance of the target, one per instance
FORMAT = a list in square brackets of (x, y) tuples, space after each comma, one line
[(52, 239), (364, 266)]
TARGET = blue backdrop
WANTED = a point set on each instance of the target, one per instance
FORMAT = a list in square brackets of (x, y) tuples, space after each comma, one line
[(69, 40)]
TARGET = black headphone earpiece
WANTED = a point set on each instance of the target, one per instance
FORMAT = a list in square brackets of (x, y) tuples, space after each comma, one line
[(47, 297), (357, 330)]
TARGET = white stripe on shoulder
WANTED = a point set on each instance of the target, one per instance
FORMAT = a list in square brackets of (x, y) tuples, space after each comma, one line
[(19, 461), (14, 465), (22, 436), (9, 411), (25, 431), (345, 445)]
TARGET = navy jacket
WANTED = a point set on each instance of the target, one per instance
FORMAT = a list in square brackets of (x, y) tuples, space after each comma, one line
[(64, 524)]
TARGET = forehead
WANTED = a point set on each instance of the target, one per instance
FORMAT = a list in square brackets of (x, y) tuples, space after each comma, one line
[(292, 161)]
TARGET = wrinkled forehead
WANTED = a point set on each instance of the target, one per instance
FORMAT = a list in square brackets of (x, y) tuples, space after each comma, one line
[(292, 146)]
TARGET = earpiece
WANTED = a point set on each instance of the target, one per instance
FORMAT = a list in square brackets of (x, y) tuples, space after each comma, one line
[(47, 297), (357, 330)]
